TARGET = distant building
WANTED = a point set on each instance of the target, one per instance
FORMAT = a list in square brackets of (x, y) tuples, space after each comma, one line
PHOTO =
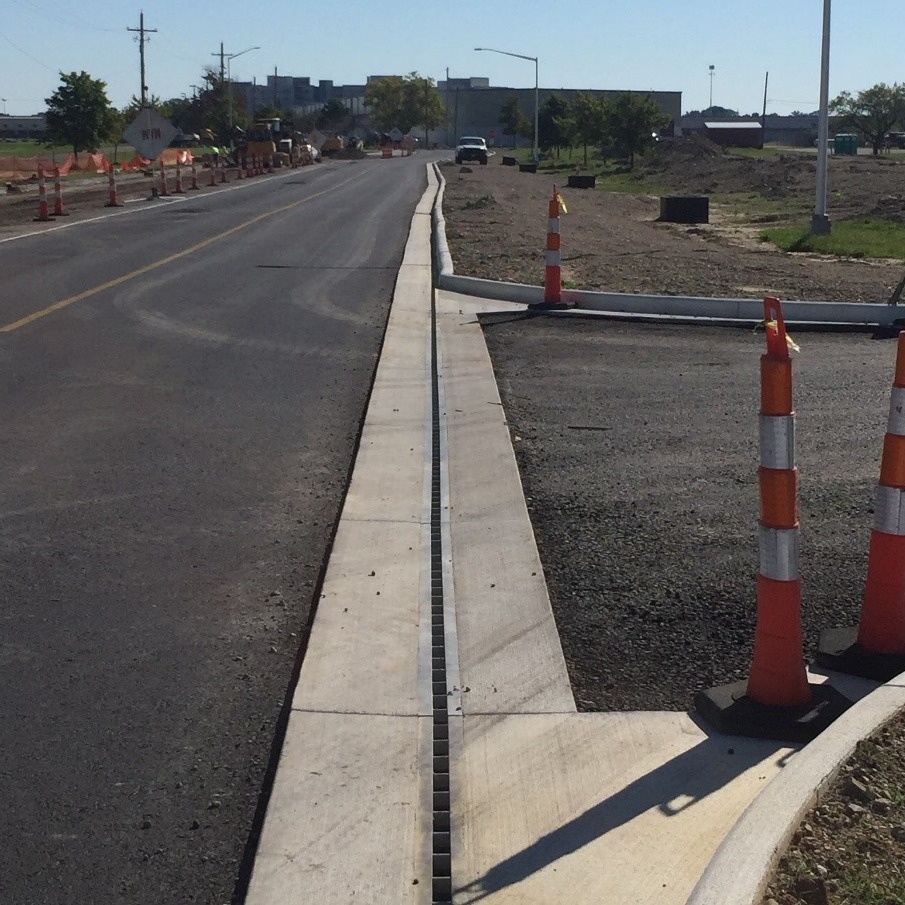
[(473, 107), (797, 131), (297, 93), (19, 127), (748, 134)]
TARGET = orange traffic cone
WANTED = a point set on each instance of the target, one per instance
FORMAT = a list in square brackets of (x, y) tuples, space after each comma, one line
[(776, 701), (878, 649), (553, 269)]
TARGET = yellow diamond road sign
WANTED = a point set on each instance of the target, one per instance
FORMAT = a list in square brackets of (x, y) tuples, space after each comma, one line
[(150, 133)]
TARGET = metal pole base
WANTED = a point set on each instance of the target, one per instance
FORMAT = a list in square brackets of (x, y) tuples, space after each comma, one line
[(820, 225)]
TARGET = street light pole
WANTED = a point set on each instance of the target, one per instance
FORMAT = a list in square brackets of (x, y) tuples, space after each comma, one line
[(522, 56), (712, 67), (820, 222), (229, 57)]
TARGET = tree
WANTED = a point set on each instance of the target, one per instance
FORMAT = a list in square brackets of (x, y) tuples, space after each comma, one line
[(590, 118), (554, 125), (212, 106), (513, 120), (333, 115), (403, 102), (79, 113), (871, 113), (386, 98), (423, 106), (634, 120)]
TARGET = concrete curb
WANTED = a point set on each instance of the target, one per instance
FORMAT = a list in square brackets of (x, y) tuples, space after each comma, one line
[(662, 306), (739, 871)]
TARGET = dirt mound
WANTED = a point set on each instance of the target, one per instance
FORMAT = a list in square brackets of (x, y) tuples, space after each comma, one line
[(672, 152), (696, 165)]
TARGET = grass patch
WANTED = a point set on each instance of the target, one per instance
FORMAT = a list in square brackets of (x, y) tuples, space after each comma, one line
[(758, 208), (479, 202), (864, 238), (859, 886)]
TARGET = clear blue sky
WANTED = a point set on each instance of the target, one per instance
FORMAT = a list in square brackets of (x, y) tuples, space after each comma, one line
[(665, 45)]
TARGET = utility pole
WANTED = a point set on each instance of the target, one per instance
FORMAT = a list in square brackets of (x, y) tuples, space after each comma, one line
[(142, 31), (820, 222), (222, 56)]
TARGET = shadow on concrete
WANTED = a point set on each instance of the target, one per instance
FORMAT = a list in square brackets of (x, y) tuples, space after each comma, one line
[(672, 788)]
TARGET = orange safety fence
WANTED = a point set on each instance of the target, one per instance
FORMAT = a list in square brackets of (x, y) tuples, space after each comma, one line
[(168, 157), (17, 167)]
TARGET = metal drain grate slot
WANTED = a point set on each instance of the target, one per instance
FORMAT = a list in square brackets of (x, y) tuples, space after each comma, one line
[(441, 861)]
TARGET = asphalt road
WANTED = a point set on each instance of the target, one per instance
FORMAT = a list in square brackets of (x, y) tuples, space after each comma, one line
[(183, 385), (638, 450)]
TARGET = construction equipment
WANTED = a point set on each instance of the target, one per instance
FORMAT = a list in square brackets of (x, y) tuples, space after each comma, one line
[(273, 139), (332, 145)]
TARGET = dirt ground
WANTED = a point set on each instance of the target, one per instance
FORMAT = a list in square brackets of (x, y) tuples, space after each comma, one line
[(496, 222)]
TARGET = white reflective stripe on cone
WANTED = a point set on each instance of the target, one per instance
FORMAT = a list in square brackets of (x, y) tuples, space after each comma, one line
[(778, 553), (553, 225), (777, 441), (896, 424), (889, 510), (553, 259)]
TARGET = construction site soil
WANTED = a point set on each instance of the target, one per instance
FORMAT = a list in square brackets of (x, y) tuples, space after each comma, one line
[(496, 223)]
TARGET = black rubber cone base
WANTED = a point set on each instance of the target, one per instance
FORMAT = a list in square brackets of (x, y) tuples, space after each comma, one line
[(729, 709), (839, 650), (549, 306)]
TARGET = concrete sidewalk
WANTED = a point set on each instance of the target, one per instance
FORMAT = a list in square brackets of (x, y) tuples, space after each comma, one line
[(548, 805)]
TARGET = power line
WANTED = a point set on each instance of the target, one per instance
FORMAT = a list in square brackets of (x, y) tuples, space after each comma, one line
[(25, 53), (60, 15)]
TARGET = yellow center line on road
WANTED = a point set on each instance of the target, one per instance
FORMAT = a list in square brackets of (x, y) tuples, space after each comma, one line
[(73, 299)]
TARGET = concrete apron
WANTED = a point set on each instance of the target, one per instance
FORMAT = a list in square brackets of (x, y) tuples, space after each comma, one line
[(548, 805)]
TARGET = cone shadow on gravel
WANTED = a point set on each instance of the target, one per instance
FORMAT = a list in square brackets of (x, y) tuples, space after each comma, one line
[(672, 788)]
